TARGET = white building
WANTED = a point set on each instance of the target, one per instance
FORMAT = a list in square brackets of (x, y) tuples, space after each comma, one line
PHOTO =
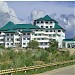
[(43, 30), (69, 43)]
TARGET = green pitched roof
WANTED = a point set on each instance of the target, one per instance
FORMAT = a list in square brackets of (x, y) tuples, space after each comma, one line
[(45, 18), (58, 26), (25, 26), (68, 39), (26, 30), (10, 31), (8, 26)]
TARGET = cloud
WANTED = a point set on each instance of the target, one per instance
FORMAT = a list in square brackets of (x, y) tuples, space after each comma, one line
[(7, 14), (37, 14), (68, 23)]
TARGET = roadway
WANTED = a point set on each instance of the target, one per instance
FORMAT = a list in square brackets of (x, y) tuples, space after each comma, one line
[(69, 70)]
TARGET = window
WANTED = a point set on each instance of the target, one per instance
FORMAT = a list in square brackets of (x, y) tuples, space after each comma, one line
[(28, 33), (58, 34), (46, 26), (7, 43), (7, 34), (7, 39), (18, 39), (35, 34), (50, 26), (36, 30), (38, 38), (41, 43), (51, 22), (41, 30), (34, 38), (37, 21), (24, 43), (50, 30), (11, 34), (24, 38), (11, 39), (49, 34), (2, 40), (54, 34), (42, 38), (41, 26), (19, 30), (46, 30), (24, 33), (28, 38), (34, 22), (11, 43), (46, 22), (45, 43), (59, 30), (39, 34), (41, 21)]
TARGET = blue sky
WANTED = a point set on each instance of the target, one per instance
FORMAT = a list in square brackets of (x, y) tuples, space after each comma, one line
[(23, 9)]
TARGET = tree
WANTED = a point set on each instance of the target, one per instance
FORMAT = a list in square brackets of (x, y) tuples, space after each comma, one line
[(33, 44), (53, 45)]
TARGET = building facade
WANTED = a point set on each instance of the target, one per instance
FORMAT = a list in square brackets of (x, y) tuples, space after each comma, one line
[(43, 30)]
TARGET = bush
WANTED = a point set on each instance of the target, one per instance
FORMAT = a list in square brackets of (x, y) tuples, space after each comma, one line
[(44, 56)]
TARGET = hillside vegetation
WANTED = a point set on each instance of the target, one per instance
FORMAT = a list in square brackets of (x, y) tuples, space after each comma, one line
[(12, 58)]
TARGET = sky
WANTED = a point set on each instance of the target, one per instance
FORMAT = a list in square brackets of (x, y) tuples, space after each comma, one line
[(23, 9)]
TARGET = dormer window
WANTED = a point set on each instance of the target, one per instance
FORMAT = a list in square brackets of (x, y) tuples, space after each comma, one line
[(59, 30), (46, 22), (41, 21), (51, 22), (37, 21), (7, 34)]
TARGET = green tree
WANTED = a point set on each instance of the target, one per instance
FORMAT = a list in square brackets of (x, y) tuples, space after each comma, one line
[(33, 44), (53, 45)]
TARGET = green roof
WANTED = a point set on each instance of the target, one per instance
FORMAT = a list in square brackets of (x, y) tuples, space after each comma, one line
[(10, 31), (8, 26), (26, 30), (68, 39), (25, 26), (58, 26), (45, 18)]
